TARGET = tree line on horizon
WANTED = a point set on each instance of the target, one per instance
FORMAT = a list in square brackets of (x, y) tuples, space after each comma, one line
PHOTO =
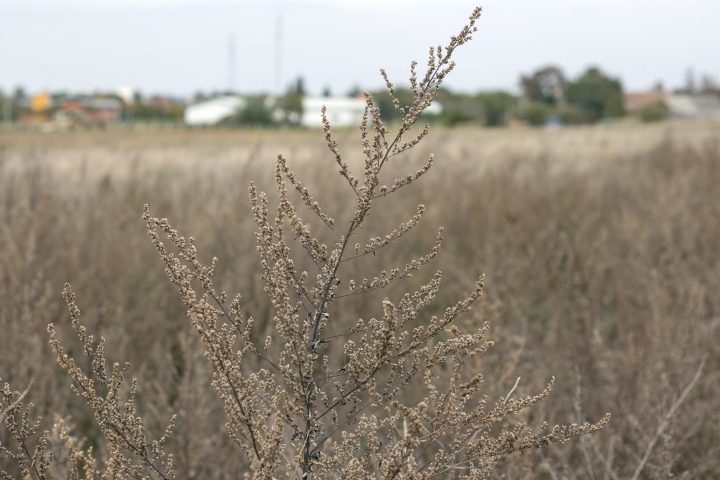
[(547, 96)]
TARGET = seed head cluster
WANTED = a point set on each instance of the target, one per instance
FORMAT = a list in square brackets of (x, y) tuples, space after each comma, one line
[(328, 400)]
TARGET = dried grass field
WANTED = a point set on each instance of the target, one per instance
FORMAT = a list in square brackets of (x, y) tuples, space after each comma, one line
[(600, 248)]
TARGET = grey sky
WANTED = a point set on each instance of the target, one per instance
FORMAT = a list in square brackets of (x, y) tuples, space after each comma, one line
[(181, 47)]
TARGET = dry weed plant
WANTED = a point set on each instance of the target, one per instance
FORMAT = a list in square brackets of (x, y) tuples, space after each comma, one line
[(330, 398)]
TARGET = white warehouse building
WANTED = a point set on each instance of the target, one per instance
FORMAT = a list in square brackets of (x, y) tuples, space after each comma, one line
[(213, 111), (342, 111)]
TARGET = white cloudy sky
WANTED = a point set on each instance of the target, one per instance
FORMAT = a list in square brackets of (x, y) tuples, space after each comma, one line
[(181, 46)]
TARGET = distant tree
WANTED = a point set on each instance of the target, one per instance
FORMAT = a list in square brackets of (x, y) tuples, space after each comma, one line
[(354, 91), (545, 86), (597, 94), (654, 112), (291, 104), (19, 94), (9, 108), (534, 113), (256, 112), (300, 86), (708, 84), (146, 112), (383, 101), (460, 108), (327, 91), (573, 115), (5, 107), (498, 107), (59, 95), (453, 116)]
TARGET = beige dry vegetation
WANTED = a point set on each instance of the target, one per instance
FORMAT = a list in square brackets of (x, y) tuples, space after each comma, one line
[(599, 248)]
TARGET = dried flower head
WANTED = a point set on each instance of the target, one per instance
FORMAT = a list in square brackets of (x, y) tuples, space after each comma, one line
[(330, 399)]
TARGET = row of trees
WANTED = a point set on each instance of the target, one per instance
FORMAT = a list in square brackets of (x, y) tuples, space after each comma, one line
[(259, 111), (9, 104), (589, 98), (547, 96)]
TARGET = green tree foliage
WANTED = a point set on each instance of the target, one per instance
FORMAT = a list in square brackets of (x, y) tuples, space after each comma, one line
[(534, 113), (384, 102), (355, 91), (460, 108), (572, 114), (256, 112), (19, 94), (654, 112), (498, 107), (485, 108), (144, 111), (545, 86), (7, 107), (291, 104), (597, 94)]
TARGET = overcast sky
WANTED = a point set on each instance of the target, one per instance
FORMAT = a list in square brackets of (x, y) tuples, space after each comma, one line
[(182, 46)]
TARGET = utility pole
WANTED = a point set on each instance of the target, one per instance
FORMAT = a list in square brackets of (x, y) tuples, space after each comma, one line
[(278, 53)]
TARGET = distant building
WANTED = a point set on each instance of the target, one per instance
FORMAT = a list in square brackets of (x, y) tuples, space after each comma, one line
[(213, 111), (162, 102), (127, 94), (87, 112), (635, 102), (342, 111), (681, 106), (103, 110), (697, 107), (40, 102), (64, 112)]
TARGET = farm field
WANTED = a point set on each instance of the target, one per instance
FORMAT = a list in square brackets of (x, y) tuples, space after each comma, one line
[(599, 247)]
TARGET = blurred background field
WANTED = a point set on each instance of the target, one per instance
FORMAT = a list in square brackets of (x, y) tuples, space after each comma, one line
[(599, 245)]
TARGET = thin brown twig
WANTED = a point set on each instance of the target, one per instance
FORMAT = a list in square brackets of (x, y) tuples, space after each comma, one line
[(667, 418)]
